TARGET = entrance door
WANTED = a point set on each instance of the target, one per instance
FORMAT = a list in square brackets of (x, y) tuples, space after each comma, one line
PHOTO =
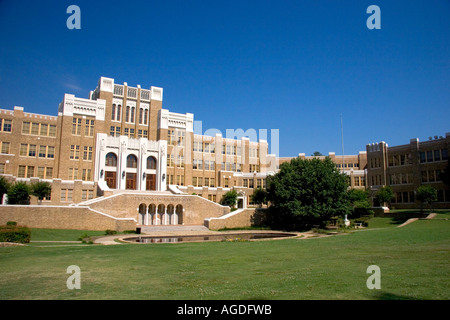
[(151, 182), (131, 181), (110, 178)]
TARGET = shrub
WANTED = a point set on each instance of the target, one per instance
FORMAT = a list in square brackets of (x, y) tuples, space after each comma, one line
[(19, 193), (110, 232), (14, 233)]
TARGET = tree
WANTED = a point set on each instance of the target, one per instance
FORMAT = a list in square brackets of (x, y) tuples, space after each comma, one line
[(259, 196), (19, 193), (359, 200), (41, 190), (384, 195), (426, 194), (4, 186), (317, 154), (229, 198), (305, 193)]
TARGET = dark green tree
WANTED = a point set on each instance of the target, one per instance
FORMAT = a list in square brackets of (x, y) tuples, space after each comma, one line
[(19, 193), (41, 190), (259, 196), (426, 194), (229, 198), (384, 196), (359, 200), (305, 193)]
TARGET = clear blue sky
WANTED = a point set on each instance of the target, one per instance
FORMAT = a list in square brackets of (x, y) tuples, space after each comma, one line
[(295, 66)]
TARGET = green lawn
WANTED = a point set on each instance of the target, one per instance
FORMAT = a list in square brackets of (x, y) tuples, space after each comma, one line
[(414, 263)]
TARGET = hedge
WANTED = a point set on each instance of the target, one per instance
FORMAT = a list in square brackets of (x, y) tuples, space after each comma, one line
[(14, 233)]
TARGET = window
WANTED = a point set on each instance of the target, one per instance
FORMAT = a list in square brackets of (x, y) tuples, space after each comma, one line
[(111, 160), (44, 129), (89, 129), (87, 153), (66, 194), (76, 126), (133, 109), (26, 127), (74, 152), (30, 171), (52, 130), (86, 175), (131, 161), (429, 156), (141, 115), (49, 173), (50, 152), (444, 153), (32, 150), (422, 157), (6, 125), (437, 155), (5, 147), (151, 163), (127, 114), (72, 173), (21, 171), (119, 112), (23, 150), (146, 116), (113, 112), (42, 151)]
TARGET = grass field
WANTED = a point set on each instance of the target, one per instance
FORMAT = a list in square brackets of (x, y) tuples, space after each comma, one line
[(414, 261)]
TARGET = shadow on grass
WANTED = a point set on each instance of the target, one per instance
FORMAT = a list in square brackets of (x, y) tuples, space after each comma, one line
[(398, 220), (383, 295)]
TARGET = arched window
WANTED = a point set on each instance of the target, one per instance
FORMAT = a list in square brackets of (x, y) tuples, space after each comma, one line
[(119, 112), (133, 109), (111, 160), (113, 112), (146, 116), (127, 114), (151, 163), (131, 161), (141, 115)]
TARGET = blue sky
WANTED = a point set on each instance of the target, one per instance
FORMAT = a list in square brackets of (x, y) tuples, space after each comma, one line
[(295, 66)]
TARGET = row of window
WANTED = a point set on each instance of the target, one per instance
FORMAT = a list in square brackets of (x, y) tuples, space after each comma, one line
[(203, 182), (31, 150), (209, 147), (433, 155), (86, 174), (88, 127), (399, 160), (129, 132), (30, 171), (399, 178), (347, 165), (39, 129), (111, 161), (67, 194), (431, 175), (409, 196), (75, 152), (130, 114)]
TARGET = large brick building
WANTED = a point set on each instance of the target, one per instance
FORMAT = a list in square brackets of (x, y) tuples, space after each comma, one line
[(122, 139), (406, 167)]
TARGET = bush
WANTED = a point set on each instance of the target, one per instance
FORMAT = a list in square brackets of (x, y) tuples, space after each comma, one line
[(110, 232), (19, 193), (14, 233)]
